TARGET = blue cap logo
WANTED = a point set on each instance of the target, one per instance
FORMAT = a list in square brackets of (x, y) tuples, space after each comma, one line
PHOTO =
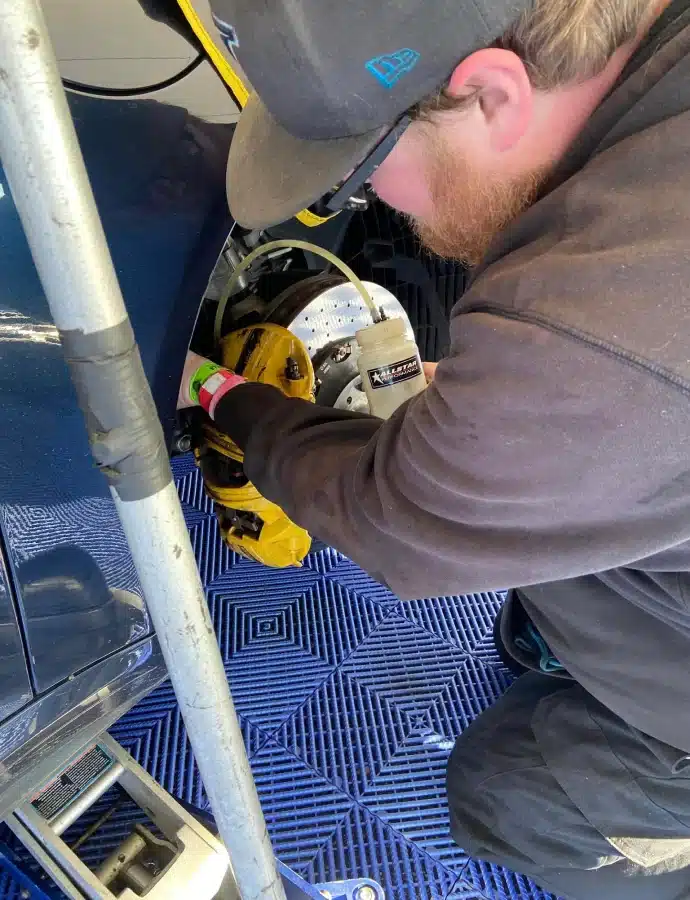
[(389, 69), (228, 34)]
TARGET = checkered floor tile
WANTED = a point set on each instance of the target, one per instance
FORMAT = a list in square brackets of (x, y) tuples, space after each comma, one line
[(349, 702)]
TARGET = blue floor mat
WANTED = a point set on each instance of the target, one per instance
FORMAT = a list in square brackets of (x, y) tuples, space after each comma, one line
[(349, 702)]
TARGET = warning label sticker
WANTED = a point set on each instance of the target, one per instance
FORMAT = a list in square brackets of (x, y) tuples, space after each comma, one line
[(386, 376), (65, 789)]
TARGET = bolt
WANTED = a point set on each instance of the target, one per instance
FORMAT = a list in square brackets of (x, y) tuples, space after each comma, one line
[(366, 892), (292, 372), (340, 354), (183, 443)]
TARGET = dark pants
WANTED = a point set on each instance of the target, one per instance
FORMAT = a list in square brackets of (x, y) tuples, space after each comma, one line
[(550, 783)]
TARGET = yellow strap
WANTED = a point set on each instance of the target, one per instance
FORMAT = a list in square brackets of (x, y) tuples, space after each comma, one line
[(310, 219), (236, 85), (225, 70)]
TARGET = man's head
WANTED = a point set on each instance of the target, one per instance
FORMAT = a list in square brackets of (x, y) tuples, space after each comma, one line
[(478, 152), (480, 142)]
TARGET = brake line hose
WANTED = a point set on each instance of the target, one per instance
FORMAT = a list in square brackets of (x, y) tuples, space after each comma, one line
[(262, 250)]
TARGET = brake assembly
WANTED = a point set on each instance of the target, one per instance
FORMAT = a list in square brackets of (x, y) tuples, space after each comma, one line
[(250, 524), (301, 341)]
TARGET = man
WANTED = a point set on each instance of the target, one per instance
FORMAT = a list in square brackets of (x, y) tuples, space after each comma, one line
[(546, 143)]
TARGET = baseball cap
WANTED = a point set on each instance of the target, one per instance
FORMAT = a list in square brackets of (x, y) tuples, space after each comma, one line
[(332, 81)]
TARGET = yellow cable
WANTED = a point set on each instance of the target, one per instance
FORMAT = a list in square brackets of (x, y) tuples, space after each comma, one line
[(280, 245), (236, 85)]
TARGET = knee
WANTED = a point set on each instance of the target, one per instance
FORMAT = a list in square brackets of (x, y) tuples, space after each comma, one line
[(473, 812), (498, 796)]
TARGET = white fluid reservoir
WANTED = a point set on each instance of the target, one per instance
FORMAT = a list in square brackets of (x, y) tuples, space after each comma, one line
[(390, 366)]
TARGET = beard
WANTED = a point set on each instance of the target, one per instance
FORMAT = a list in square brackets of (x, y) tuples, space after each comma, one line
[(470, 211)]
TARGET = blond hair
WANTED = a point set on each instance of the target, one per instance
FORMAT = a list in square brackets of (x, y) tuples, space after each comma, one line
[(563, 42), (566, 41)]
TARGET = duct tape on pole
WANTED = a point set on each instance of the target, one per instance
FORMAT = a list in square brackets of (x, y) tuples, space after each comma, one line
[(46, 174)]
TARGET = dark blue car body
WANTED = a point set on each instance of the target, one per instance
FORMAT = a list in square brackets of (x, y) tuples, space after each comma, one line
[(76, 646)]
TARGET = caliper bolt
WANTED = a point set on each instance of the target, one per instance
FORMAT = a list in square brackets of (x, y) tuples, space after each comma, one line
[(292, 372)]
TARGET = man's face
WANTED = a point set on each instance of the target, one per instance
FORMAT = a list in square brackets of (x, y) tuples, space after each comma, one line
[(455, 201)]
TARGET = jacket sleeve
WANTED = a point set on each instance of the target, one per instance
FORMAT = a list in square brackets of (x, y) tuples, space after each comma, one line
[(514, 467)]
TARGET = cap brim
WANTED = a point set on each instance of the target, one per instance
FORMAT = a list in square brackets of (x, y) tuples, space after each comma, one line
[(272, 175)]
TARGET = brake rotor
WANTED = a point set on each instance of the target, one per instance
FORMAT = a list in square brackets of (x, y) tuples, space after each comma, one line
[(326, 324), (338, 312)]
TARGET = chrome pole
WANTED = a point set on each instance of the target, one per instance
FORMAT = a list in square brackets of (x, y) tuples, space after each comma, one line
[(46, 174)]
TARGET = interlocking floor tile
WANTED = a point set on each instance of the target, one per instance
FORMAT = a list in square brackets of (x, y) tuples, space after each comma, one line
[(247, 580), (497, 883), (404, 663), (322, 558), (409, 793), (467, 622), (350, 702), (363, 843), (348, 574), (464, 891), (472, 689), (341, 620), (183, 466), (327, 620), (213, 557), (193, 516), (190, 485), (302, 809), (268, 686), (346, 732)]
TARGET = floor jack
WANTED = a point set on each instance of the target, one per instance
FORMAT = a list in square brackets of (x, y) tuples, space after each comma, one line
[(173, 855)]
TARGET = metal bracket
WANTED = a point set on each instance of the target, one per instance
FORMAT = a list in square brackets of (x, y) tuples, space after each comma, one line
[(359, 889)]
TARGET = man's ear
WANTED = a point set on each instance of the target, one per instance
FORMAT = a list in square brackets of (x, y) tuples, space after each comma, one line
[(504, 94)]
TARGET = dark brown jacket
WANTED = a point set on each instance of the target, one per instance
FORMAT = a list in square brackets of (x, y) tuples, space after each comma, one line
[(552, 450)]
